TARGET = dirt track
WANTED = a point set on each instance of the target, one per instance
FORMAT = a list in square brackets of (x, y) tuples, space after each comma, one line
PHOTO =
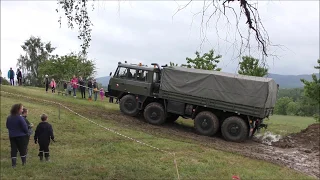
[(296, 158)]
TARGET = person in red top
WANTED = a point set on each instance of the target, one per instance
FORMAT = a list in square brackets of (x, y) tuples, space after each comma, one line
[(74, 83)]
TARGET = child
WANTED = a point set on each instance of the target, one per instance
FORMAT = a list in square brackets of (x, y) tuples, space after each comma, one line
[(101, 94), (69, 87), (30, 125), (43, 134), (53, 85), (65, 86)]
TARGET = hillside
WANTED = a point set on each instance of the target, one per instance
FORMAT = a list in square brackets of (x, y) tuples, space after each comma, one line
[(285, 81), (92, 150)]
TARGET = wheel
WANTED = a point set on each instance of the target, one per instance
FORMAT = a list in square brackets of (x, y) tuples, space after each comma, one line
[(129, 105), (172, 118), (234, 129), (154, 113), (206, 123)]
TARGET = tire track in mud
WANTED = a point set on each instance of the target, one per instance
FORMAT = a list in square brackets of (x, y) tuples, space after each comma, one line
[(293, 158)]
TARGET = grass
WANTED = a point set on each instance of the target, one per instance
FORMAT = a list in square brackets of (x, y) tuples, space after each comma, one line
[(86, 151)]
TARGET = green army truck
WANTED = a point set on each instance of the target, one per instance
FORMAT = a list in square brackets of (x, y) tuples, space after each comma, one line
[(232, 104)]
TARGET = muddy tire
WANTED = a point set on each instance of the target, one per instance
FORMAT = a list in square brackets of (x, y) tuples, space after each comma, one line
[(234, 129), (172, 118), (129, 105), (206, 123), (154, 114)]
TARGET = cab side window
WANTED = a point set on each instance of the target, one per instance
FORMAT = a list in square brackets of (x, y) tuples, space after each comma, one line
[(142, 75), (121, 73), (131, 74)]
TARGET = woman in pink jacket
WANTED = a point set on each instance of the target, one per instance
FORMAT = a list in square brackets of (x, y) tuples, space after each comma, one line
[(74, 83), (53, 85)]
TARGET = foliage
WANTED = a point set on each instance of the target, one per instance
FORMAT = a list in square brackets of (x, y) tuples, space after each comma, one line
[(312, 88), (4, 81), (36, 52), (64, 67), (250, 66), (294, 93), (292, 108), (173, 64), (208, 61), (282, 105)]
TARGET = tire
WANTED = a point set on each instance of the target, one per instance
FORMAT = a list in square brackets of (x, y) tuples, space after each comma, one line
[(129, 105), (234, 129), (206, 123), (154, 114), (172, 118)]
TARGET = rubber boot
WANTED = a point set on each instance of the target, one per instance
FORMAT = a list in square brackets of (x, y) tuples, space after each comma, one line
[(24, 160), (41, 158), (47, 159), (14, 162)]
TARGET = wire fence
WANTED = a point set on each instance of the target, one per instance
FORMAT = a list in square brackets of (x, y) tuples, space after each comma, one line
[(104, 127)]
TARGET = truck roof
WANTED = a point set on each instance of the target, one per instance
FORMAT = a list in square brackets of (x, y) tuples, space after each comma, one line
[(220, 73), (136, 66)]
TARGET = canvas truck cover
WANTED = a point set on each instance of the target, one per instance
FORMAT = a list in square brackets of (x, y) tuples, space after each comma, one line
[(251, 91)]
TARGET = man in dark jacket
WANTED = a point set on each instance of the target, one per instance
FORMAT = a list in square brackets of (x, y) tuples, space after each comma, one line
[(82, 88), (19, 77), (46, 82), (43, 134), (11, 76)]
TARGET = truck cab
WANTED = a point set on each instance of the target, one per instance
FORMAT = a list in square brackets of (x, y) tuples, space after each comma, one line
[(134, 79)]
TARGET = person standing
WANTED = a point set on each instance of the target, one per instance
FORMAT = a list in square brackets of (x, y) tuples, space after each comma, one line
[(30, 125), (11, 76), (90, 86), (82, 88), (19, 77), (53, 85), (18, 134), (46, 82), (42, 135), (95, 89), (74, 83), (69, 87)]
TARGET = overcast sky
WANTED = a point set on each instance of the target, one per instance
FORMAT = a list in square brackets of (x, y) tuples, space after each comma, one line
[(146, 32)]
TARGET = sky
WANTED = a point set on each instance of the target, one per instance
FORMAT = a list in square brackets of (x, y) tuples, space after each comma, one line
[(148, 32)]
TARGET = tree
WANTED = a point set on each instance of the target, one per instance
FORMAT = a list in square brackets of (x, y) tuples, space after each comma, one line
[(282, 105), (77, 14), (207, 61), (173, 64), (64, 67), (250, 66), (312, 88), (292, 108), (37, 52)]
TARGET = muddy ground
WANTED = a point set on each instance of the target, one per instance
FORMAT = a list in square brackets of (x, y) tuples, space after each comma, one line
[(300, 156)]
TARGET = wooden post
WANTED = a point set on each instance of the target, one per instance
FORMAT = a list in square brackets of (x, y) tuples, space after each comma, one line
[(59, 111)]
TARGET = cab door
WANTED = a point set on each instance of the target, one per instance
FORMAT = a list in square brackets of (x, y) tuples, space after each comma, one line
[(138, 84), (117, 83)]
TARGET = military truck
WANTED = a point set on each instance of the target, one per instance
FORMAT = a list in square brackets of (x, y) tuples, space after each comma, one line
[(232, 104)]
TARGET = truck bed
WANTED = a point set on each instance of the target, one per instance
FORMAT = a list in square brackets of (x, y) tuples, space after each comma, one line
[(248, 95)]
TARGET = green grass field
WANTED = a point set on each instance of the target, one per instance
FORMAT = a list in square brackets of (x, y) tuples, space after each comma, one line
[(86, 151)]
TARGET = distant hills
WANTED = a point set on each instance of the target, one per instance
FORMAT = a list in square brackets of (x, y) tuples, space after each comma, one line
[(285, 81)]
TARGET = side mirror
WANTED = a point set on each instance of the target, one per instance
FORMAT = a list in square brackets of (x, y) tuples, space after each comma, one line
[(110, 74)]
